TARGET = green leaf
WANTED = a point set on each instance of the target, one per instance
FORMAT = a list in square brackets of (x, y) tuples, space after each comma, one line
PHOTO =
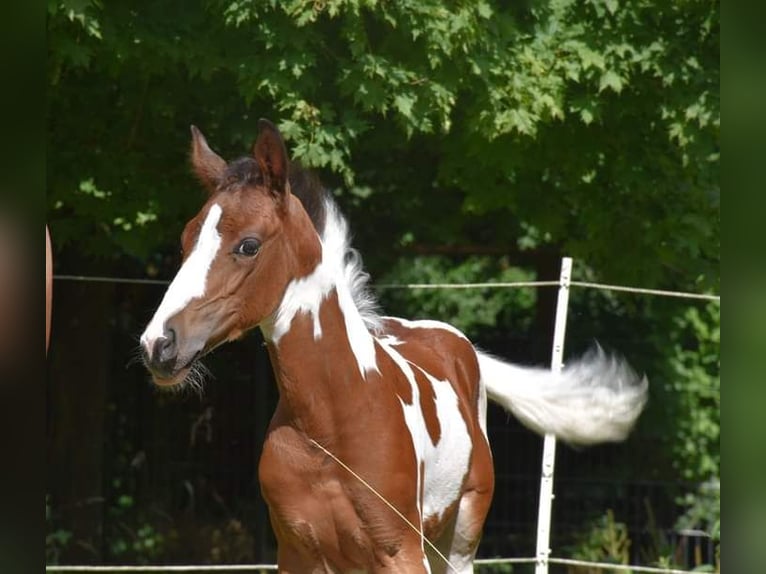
[(404, 103), (610, 80)]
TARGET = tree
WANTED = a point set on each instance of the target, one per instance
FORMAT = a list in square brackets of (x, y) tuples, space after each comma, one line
[(589, 128)]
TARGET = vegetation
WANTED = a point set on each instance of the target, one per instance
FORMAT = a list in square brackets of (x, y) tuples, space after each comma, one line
[(606, 541), (591, 127), (467, 141)]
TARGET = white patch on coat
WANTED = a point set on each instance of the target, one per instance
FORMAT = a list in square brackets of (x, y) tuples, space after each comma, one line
[(389, 340), (427, 324), (446, 462), (191, 279), (307, 294), (460, 556), (430, 324), (413, 418), (303, 295), (482, 408)]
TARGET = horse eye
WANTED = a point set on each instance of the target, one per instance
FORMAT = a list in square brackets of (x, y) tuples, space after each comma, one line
[(248, 247)]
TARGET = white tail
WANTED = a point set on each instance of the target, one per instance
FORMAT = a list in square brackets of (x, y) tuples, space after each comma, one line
[(594, 399)]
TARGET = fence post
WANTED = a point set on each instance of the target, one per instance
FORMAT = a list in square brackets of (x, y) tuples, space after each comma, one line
[(549, 444)]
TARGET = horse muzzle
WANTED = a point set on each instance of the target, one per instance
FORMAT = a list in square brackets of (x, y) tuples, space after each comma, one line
[(161, 355), (165, 360)]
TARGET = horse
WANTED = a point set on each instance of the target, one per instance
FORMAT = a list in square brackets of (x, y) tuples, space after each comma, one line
[(376, 458)]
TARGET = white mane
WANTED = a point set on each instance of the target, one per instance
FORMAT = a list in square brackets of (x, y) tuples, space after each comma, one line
[(336, 245)]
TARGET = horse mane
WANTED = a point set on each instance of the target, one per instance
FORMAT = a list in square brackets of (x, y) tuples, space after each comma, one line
[(334, 233), (329, 223)]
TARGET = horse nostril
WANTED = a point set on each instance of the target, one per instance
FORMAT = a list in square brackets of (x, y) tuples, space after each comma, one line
[(164, 354), (165, 349)]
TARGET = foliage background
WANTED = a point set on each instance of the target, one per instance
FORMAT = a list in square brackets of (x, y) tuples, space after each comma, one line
[(466, 141)]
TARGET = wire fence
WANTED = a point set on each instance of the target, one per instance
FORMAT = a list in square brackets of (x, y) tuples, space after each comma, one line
[(544, 557), (416, 286)]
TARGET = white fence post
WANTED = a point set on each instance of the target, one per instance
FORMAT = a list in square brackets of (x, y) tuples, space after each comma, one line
[(549, 444)]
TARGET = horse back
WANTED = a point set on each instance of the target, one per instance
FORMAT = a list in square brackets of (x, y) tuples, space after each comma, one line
[(441, 351)]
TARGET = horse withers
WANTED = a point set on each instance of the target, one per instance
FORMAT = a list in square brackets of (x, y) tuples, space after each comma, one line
[(377, 458)]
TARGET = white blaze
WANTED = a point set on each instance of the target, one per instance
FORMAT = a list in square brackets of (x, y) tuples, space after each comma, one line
[(190, 280)]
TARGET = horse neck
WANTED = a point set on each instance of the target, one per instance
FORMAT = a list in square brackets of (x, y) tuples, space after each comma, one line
[(320, 349)]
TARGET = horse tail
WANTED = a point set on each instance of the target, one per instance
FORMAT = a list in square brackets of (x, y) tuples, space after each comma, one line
[(596, 398)]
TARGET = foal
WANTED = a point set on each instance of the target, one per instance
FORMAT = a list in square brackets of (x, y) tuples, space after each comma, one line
[(400, 403)]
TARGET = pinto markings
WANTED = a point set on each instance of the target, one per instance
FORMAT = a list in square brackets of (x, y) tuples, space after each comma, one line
[(445, 461), (306, 295)]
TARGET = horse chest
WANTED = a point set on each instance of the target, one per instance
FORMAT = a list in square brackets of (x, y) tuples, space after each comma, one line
[(316, 505)]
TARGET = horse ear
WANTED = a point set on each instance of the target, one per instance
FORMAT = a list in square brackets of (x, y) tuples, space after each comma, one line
[(270, 153), (208, 166)]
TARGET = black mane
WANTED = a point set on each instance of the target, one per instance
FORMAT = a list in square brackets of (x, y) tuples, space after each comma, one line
[(304, 184)]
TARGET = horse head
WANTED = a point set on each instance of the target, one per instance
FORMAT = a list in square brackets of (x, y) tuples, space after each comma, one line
[(240, 251)]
